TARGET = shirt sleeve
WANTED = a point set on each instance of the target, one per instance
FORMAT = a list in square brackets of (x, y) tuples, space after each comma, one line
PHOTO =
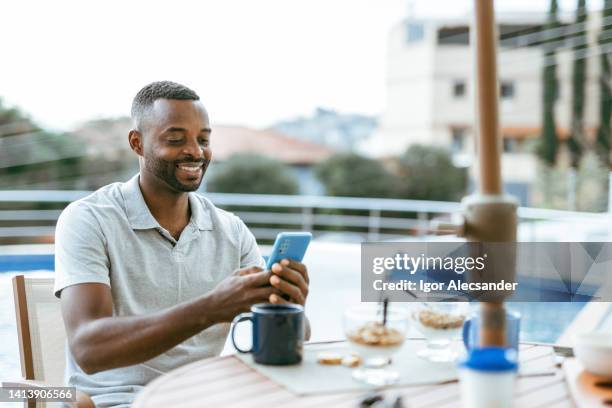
[(249, 251), (80, 249)]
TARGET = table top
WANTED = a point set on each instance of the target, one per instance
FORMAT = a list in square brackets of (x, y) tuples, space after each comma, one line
[(228, 382)]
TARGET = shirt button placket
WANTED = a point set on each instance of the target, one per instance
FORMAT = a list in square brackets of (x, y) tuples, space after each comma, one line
[(178, 256)]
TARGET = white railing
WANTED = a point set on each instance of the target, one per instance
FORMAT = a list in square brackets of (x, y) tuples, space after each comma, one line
[(266, 215)]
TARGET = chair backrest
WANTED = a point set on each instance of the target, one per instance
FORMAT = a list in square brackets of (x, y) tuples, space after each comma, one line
[(40, 330)]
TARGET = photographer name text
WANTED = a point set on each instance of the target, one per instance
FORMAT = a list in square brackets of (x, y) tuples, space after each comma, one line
[(452, 285)]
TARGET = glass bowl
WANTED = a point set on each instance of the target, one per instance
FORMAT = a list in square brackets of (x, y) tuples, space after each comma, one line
[(374, 342), (439, 323)]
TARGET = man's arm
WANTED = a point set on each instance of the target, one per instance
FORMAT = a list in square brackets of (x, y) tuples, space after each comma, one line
[(100, 341)]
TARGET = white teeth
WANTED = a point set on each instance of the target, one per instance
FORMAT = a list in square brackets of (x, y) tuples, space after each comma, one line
[(190, 167)]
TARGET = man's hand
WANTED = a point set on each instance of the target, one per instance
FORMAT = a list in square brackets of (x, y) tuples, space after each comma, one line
[(291, 279), (100, 341), (238, 292)]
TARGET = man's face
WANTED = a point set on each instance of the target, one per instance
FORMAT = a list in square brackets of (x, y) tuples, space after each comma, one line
[(176, 139)]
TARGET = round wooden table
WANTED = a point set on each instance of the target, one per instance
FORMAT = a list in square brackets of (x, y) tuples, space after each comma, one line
[(228, 382)]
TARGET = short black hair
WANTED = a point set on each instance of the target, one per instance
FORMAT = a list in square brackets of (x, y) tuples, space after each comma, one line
[(159, 90)]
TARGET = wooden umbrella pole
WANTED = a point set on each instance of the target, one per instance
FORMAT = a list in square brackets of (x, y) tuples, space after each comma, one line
[(487, 120), (493, 315)]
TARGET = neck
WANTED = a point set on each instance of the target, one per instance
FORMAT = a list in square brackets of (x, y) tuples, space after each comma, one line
[(168, 207)]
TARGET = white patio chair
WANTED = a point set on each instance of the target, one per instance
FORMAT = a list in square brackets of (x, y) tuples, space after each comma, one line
[(42, 337)]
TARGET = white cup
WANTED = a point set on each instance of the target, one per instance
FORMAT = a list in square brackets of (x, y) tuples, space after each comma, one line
[(487, 377)]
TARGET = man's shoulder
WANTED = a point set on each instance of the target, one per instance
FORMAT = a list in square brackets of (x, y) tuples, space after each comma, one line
[(105, 197), (218, 216), (212, 210)]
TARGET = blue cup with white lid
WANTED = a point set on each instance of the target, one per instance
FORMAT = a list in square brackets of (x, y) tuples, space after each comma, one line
[(487, 376)]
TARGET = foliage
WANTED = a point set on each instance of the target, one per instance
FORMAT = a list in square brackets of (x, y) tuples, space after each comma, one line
[(11, 115), (604, 134), (428, 173), (352, 175), (547, 150), (552, 186), (592, 193), (34, 158), (252, 174), (576, 142)]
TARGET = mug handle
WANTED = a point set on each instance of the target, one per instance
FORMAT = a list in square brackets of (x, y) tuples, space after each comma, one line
[(466, 333), (240, 318)]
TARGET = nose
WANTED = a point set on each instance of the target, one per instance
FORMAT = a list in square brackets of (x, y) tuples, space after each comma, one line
[(192, 148)]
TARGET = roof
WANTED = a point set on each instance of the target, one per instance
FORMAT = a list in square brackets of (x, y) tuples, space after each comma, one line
[(526, 132), (108, 138), (530, 132), (229, 140)]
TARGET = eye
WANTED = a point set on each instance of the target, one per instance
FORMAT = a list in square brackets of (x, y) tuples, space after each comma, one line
[(175, 141), (204, 141)]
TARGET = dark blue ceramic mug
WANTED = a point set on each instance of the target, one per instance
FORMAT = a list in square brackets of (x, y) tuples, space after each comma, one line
[(278, 333)]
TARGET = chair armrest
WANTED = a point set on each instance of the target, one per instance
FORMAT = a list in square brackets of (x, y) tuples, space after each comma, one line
[(22, 382), (82, 400)]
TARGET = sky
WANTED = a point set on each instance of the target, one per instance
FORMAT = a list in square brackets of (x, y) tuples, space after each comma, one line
[(253, 62)]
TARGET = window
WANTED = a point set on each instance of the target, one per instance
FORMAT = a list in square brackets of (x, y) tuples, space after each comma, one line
[(520, 35), (507, 90), (414, 32), (458, 139), (511, 144), (459, 89), (459, 35)]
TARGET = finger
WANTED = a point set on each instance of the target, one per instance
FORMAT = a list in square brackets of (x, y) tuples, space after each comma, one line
[(260, 278), (263, 294), (277, 300), (298, 266), (293, 291), (290, 275)]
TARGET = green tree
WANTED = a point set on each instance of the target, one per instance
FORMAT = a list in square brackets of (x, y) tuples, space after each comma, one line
[(576, 141), (352, 175), (547, 150), (604, 135), (252, 174), (428, 173), (10, 116), (31, 157)]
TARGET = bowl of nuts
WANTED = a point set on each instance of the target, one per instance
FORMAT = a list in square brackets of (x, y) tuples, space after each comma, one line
[(439, 323), (376, 339)]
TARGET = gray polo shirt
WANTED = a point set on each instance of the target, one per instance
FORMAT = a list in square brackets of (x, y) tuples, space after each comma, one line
[(111, 237)]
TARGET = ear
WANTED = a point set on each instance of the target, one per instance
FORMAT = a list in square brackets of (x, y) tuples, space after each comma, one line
[(135, 140)]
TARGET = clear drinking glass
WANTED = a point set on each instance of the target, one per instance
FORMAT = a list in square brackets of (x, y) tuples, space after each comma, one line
[(439, 323), (375, 342)]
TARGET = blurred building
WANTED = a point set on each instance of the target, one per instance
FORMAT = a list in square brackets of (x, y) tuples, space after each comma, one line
[(300, 155), (430, 90), (341, 131), (109, 157)]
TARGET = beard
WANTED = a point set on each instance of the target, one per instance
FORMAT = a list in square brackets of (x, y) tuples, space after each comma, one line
[(166, 171)]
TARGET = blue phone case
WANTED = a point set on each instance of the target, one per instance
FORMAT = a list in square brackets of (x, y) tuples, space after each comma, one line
[(289, 245)]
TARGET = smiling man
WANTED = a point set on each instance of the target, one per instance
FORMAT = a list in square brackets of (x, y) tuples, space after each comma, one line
[(150, 273)]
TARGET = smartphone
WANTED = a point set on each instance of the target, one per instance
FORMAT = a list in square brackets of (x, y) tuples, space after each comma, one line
[(289, 245)]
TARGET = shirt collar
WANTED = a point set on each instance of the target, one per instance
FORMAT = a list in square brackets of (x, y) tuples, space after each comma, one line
[(200, 214), (140, 217)]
